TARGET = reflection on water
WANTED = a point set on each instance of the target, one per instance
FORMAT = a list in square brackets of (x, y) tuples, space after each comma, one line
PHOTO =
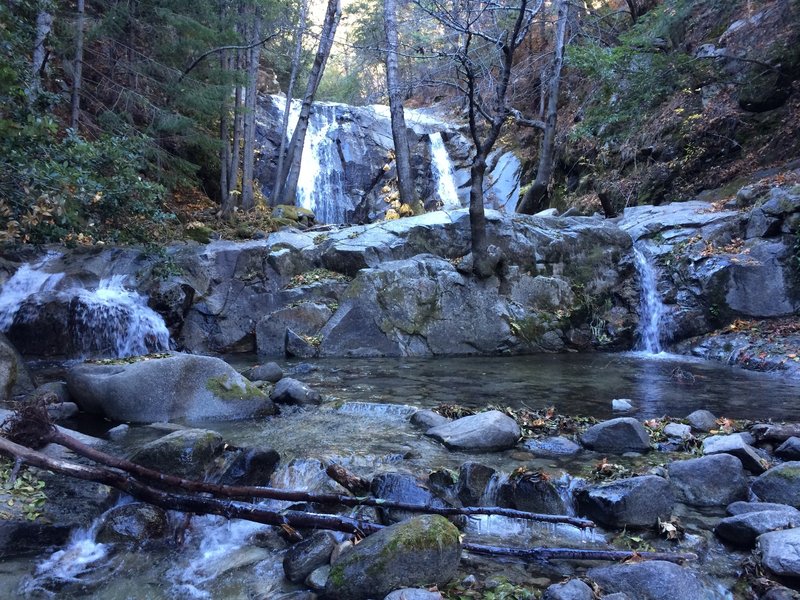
[(577, 384)]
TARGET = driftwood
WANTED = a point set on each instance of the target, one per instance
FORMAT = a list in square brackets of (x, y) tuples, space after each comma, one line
[(233, 491)]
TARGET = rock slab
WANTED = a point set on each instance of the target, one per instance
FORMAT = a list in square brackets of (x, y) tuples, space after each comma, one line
[(650, 580), (632, 502), (715, 480), (484, 432), (617, 436), (780, 484), (780, 552)]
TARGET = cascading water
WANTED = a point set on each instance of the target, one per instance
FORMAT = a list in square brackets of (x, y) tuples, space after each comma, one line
[(651, 308), (108, 320), (443, 173)]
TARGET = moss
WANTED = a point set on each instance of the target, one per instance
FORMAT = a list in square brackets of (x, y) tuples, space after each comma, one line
[(224, 388), (336, 576), (790, 473)]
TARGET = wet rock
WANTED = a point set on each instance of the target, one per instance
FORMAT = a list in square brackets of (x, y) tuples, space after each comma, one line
[(678, 431), (789, 450), (702, 420), (306, 318), (61, 411), (621, 405), (574, 589), (413, 594), (118, 432), (180, 386), (633, 502), (187, 453), (317, 579), (292, 391), (136, 522), (779, 593), (743, 529), (298, 346), (775, 432), (472, 481), (741, 507), (780, 484), (552, 447), (780, 552), (251, 466), (306, 556), (483, 432), (425, 419), (55, 391), (736, 446), (269, 371), (421, 551), (534, 493), (401, 487), (714, 480), (15, 381), (617, 436), (651, 580)]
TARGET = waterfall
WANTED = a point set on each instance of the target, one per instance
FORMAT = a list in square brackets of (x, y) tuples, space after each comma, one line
[(443, 173), (651, 308), (108, 320)]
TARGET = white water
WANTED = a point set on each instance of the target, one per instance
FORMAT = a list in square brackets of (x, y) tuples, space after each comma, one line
[(443, 173), (651, 308), (108, 320)]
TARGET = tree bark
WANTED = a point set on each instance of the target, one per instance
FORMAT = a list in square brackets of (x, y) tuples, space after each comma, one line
[(298, 48), (402, 154), (236, 142), (295, 153), (248, 153), (77, 68), (537, 197), (44, 23)]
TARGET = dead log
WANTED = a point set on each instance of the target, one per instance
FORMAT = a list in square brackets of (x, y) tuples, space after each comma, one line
[(232, 491), (542, 554), (348, 480)]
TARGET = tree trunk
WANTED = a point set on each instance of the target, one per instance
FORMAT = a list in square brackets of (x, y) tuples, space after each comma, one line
[(477, 218), (236, 142), (298, 48), (224, 142), (634, 10), (405, 180), (295, 153), (77, 69), (44, 23), (536, 198), (248, 154)]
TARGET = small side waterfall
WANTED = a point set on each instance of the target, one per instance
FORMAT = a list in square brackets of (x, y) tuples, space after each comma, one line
[(443, 173), (651, 308), (48, 314)]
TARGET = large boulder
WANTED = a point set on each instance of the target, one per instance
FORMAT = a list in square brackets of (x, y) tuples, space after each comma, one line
[(536, 494), (421, 551), (617, 436), (734, 444), (633, 502), (178, 386), (135, 523), (780, 484), (743, 529), (304, 557), (186, 453), (780, 552), (304, 319), (487, 431), (714, 480), (14, 377), (652, 580)]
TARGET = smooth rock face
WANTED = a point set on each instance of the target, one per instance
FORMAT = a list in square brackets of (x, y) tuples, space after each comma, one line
[(186, 453), (651, 580), (472, 481), (306, 556), (714, 480), (743, 529), (425, 419), (422, 551), (790, 449), (136, 522), (413, 594), (292, 391), (552, 447), (678, 431), (741, 507), (14, 377), (574, 589), (486, 431), (780, 484), (702, 420), (736, 446), (780, 552), (617, 436), (269, 371), (633, 502), (180, 386), (537, 495), (251, 466)]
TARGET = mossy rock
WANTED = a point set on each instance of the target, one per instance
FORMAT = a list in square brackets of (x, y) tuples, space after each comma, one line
[(186, 453), (780, 484), (298, 214), (200, 234), (419, 552)]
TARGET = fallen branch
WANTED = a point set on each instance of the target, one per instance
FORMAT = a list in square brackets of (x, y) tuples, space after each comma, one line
[(571, 554), (233, 491)]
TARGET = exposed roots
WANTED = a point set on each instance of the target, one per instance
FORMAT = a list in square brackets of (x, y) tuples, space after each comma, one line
[(30, 426)]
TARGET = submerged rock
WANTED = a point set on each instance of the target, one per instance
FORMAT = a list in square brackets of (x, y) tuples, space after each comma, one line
[(136, 522), (552, 447), (178, 386), (292, 391), (633, 502), (780, 484), (714, 480), (651, 580), (617, 436), (421, 551), (413, 594), (483, 432)]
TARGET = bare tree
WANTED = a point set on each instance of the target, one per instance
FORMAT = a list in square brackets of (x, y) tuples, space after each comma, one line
[(248, 155), (295, 151), (537, 196), (77, 68), (405, 180), (488, 34), (44, 23)]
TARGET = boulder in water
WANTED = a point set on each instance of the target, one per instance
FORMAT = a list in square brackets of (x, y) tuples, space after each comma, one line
[(304, 557), (537, 494), (472, 481), (401, 487), (483, 432), (421, 551), (136, 522), (715, 480), (617, 436), (187, 453), (176, 386), (702, 420), (269, 371), (651, 580), (780, 484), (633, 502), (789, 450), (292, 391), (552, 447)]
